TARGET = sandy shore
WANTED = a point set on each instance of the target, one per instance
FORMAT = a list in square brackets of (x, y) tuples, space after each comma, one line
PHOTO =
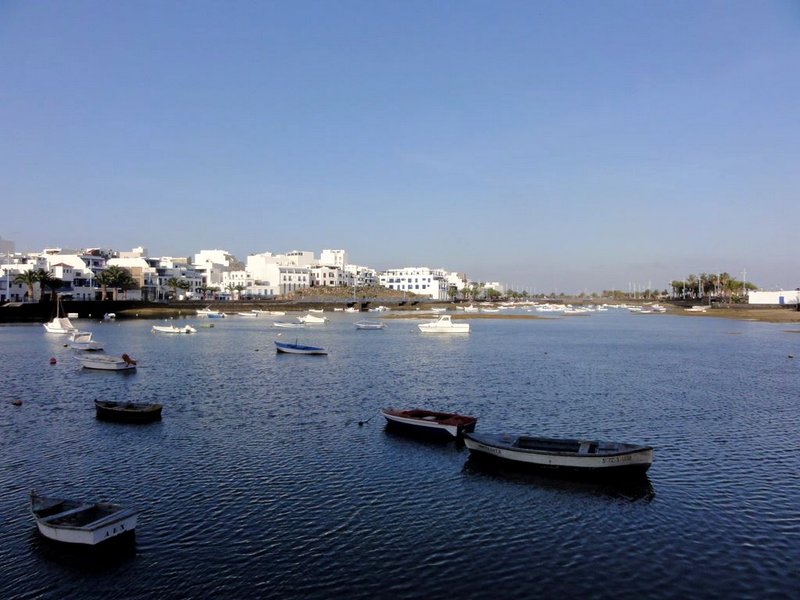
[(765, 315)]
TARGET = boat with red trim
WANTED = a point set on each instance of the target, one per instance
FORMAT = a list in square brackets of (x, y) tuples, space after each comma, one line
[(429, 422)]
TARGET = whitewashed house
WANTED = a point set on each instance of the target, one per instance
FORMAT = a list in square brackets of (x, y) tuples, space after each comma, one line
[(777, 297), (418, 280)]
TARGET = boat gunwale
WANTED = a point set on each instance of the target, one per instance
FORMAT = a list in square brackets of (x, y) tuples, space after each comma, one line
[(494, 441), (440, 418)]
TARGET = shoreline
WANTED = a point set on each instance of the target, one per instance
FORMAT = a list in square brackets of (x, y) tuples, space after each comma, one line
[(41, 313)]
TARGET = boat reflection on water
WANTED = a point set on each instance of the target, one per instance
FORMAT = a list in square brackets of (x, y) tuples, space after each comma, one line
[(635, 489), (83, 558), (417, 440)]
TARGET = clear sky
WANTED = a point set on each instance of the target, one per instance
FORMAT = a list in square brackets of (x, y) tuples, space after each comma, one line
[(550, 145)]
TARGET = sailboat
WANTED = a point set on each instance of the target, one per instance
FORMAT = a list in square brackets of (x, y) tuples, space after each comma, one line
[(61, 323)]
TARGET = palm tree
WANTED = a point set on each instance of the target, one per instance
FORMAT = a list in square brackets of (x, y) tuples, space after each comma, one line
[(104, 279), (231, 287), (174, 283), (116, 275), (45, 279), (28, 278), (184, 285), (239, 289), (127, 282), (203, 289), (48, 281)]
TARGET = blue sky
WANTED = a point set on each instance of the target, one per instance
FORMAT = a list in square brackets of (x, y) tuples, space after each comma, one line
[(562, 146)]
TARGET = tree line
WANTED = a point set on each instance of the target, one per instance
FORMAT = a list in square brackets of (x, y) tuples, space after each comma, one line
[(719, 285)]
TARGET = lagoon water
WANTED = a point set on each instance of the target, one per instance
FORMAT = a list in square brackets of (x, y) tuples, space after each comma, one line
[(260, 483)]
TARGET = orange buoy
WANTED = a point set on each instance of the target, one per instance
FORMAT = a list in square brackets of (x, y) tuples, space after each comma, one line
[(53, 360)]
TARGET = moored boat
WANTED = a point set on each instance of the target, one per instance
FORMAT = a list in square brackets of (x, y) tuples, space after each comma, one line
[(697, 308), (288, 325), (173, 329), (429, 422), (296, 348), (312, 319), (210, 313), (572, 455), (444, 324), (82, 340), (60, 323), (368, 325), (76, 522), (268, 313), (105, 362), (127, 412)]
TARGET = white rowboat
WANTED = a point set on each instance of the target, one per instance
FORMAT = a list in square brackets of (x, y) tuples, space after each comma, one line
[(75, 522)]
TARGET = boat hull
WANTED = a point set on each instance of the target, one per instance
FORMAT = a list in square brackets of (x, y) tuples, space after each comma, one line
[(127, 412), (173, 329), (444, 325), (106, 363), (82, 524), (425, 423), (630, 460), (285, 348), (454, 329), (61, 325)]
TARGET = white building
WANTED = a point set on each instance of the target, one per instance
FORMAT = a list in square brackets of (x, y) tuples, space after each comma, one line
[(362, 276), (213, 264), (328, 276), (779, 297), (143, 272), (418, 280), (280, 274), (237, 284), (12, 266), (333, 258)]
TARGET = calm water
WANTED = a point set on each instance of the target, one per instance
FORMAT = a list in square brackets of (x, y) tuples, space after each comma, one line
[(259, 481)]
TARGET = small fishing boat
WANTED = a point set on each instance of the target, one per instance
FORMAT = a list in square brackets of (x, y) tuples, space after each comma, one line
[(288, 325), (173, 329), (82, 340), (429, 422), (104, 362), (76, 522), (697, 308), (444, 324), (210, 313), (312, 319), (250, 315), (585, 456), (367, 325), (127, 412), (298, 348), (268, 313)]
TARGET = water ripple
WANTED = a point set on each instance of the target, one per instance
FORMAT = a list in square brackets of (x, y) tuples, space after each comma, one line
[(259, 482)]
